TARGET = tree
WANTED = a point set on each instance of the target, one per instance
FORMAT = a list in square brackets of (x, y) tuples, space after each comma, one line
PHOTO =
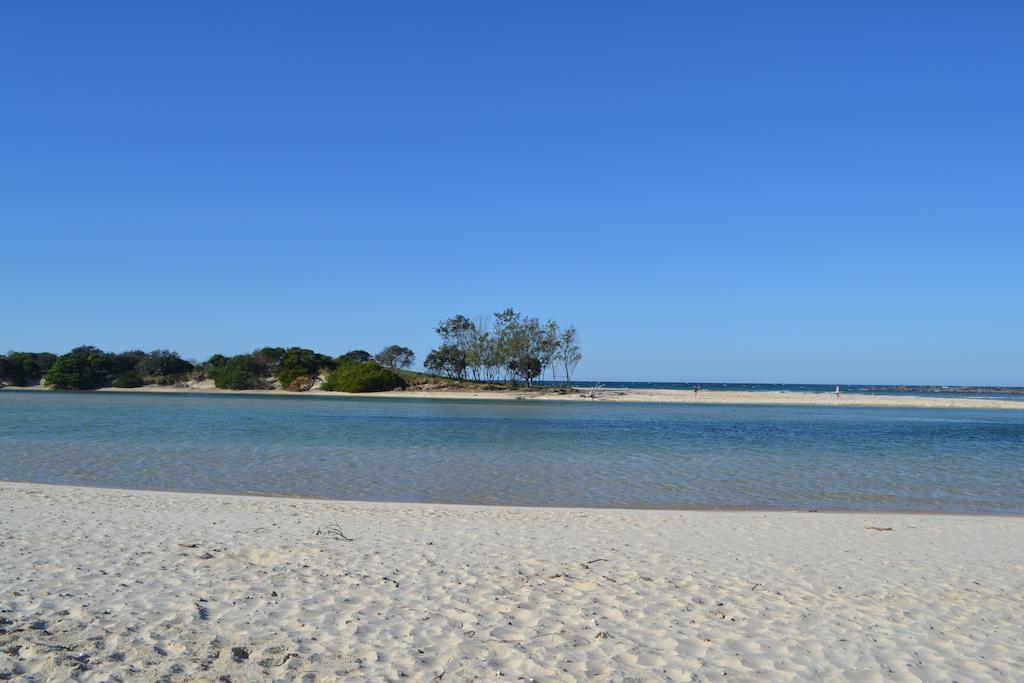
[(516, 348), (127, 360), (569, 352), (479, 346), (519, 344), (396, 356), (447, 360), (548, 347), (457, 331), (84, 367), (357, 356), (529, 369), (509, 340), (239, 372), (161, 364), (269, 356), (24, 368), (128, 380), (492, 363), (457, 348), (298, 362)]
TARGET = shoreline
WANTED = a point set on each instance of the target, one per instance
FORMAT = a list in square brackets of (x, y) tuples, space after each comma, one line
[(110, 583), (655, 396), (505, 506)]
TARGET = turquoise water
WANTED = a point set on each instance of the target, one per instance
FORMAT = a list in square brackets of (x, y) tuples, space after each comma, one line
[(521, 452)]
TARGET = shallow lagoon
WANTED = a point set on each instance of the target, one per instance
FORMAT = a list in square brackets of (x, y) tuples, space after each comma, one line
[(521, 452)]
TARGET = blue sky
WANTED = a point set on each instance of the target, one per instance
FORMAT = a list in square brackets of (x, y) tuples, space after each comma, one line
[(749, 191)]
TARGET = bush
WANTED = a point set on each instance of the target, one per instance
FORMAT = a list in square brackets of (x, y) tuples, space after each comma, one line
[(358, 378), (297, 363), (128, 380), (85, 367), (447, 360), (238, 372), (162, 366), (269, 357), (22, 368)]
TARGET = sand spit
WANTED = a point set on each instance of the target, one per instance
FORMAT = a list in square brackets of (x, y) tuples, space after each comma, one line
[(621, 396), (102, 584), (792, 398)]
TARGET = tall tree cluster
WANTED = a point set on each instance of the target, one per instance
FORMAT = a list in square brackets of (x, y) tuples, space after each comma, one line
[(24, 368), (88, 367), (510, 348)]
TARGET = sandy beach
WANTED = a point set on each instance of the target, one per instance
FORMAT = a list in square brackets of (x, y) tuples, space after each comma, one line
[(620, 396), (727, 397), (102, 584)]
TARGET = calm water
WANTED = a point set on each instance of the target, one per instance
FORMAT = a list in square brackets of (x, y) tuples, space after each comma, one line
[(521, 452)]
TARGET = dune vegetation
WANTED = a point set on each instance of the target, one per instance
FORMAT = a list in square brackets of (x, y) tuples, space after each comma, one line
[(508, 351)]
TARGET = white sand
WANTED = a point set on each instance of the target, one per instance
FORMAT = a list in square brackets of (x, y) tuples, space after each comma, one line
[(101, 584), (626, 396), (791, 398)]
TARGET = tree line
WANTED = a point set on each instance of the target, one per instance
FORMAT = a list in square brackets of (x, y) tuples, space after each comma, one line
[(294, 369), (510, 348)]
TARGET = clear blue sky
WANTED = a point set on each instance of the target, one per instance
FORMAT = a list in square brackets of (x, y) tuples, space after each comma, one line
[(743, 191)]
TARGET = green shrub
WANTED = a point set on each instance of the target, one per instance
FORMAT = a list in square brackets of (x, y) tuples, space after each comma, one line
[(238, 372), (22, 368), (358, 378), (297, 362), (128, 380), (161, 366), (269, 356), (85, 367)]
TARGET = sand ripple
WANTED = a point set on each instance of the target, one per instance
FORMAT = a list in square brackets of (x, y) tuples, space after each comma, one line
[(119, 585)]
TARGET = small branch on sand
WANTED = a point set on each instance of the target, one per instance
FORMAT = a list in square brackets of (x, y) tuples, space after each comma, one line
[(586, 565), (593, 391), (66, 648), (444, 670), (878, 528), (333, 531)]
